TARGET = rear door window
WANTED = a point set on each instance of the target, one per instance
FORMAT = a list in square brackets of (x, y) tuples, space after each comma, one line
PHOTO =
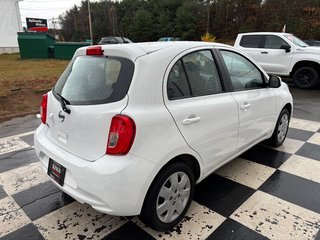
[(178, 86), (95, 80), (194, 75), (202, 73), (251, 41)]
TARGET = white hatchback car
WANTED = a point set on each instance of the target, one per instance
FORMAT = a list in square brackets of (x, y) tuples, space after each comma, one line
[(131, 129)]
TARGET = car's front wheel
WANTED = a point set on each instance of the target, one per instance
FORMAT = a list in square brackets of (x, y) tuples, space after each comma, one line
[(281, 129), (169, 197), (306, 77)]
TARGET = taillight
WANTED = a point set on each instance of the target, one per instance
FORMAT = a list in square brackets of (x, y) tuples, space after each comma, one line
[(43, 108), (94, 50), (121, 135)]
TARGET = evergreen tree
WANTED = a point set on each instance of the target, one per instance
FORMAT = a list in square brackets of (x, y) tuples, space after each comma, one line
[(148, 20)]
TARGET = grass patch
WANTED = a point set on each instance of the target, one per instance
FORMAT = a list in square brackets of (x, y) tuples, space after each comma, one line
[(23, 81), (35, 74)]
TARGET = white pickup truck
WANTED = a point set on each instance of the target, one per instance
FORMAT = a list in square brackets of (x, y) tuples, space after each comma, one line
[(283, 54)]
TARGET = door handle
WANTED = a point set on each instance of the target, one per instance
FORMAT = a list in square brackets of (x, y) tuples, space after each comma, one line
[(245, 106), (191, 120), (264, 52)]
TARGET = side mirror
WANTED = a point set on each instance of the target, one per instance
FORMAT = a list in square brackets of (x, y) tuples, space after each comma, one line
[(274, 81), (286, 47)]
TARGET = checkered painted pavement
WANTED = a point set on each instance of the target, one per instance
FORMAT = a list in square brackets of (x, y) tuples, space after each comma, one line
[(266, 193)]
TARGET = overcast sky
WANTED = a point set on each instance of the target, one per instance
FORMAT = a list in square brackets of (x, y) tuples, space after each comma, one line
[(46, 9)]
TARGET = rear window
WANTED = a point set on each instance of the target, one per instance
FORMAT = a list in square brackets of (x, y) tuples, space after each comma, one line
[(251, 41), (95, 80)]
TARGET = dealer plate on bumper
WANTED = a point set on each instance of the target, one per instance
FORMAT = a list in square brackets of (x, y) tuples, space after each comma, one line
[(56, 171)]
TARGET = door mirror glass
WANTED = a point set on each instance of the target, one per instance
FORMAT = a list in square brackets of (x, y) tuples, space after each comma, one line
[(286, 47), (274, 81)]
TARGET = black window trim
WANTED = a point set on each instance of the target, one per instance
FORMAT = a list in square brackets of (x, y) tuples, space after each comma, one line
[(226, 84), (187, 77), (222, 75), (265, 81)]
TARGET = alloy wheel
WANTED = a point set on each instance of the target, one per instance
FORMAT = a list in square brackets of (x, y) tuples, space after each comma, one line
[(173, 197), (283, 127), (305, 77)]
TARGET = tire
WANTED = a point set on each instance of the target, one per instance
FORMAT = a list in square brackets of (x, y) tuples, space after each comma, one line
[(306, 77), (173, 201), (281, 129)]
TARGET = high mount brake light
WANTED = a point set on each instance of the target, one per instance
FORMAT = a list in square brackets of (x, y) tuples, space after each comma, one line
[(43, 108), (94, 51), (121, 135)]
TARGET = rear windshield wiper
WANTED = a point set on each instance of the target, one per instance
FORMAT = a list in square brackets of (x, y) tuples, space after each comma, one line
[(63, 102)]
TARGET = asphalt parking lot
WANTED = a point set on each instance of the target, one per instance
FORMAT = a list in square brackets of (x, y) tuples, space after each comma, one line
[(266, 193), (306, 103)]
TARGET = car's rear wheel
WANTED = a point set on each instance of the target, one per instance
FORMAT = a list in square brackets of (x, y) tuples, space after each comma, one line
[(306, 77), (169, 197), (281, 129)]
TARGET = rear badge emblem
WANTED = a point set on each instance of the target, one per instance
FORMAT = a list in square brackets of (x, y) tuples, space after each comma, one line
[(61, 116)]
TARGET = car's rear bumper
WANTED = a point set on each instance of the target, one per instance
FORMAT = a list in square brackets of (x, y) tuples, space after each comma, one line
[(115, 185)]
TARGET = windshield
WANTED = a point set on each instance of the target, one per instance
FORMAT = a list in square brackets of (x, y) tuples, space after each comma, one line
[(95, 80), (296, 41)]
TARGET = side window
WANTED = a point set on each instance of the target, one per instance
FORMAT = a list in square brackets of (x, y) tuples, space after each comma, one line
[(274, 42), (194, 75), (202, 73), (244, 75), (251, 41), (178, 86)]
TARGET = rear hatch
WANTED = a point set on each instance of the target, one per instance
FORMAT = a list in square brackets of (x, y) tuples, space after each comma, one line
[(93, 89)]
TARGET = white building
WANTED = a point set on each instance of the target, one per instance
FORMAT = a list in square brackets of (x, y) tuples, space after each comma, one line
[(10, 24)]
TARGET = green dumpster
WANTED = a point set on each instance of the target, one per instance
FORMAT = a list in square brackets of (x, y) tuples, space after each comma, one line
[(65, 50), (35, 44)]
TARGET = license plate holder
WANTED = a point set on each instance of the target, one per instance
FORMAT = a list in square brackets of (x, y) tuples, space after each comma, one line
[(56, 171)]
